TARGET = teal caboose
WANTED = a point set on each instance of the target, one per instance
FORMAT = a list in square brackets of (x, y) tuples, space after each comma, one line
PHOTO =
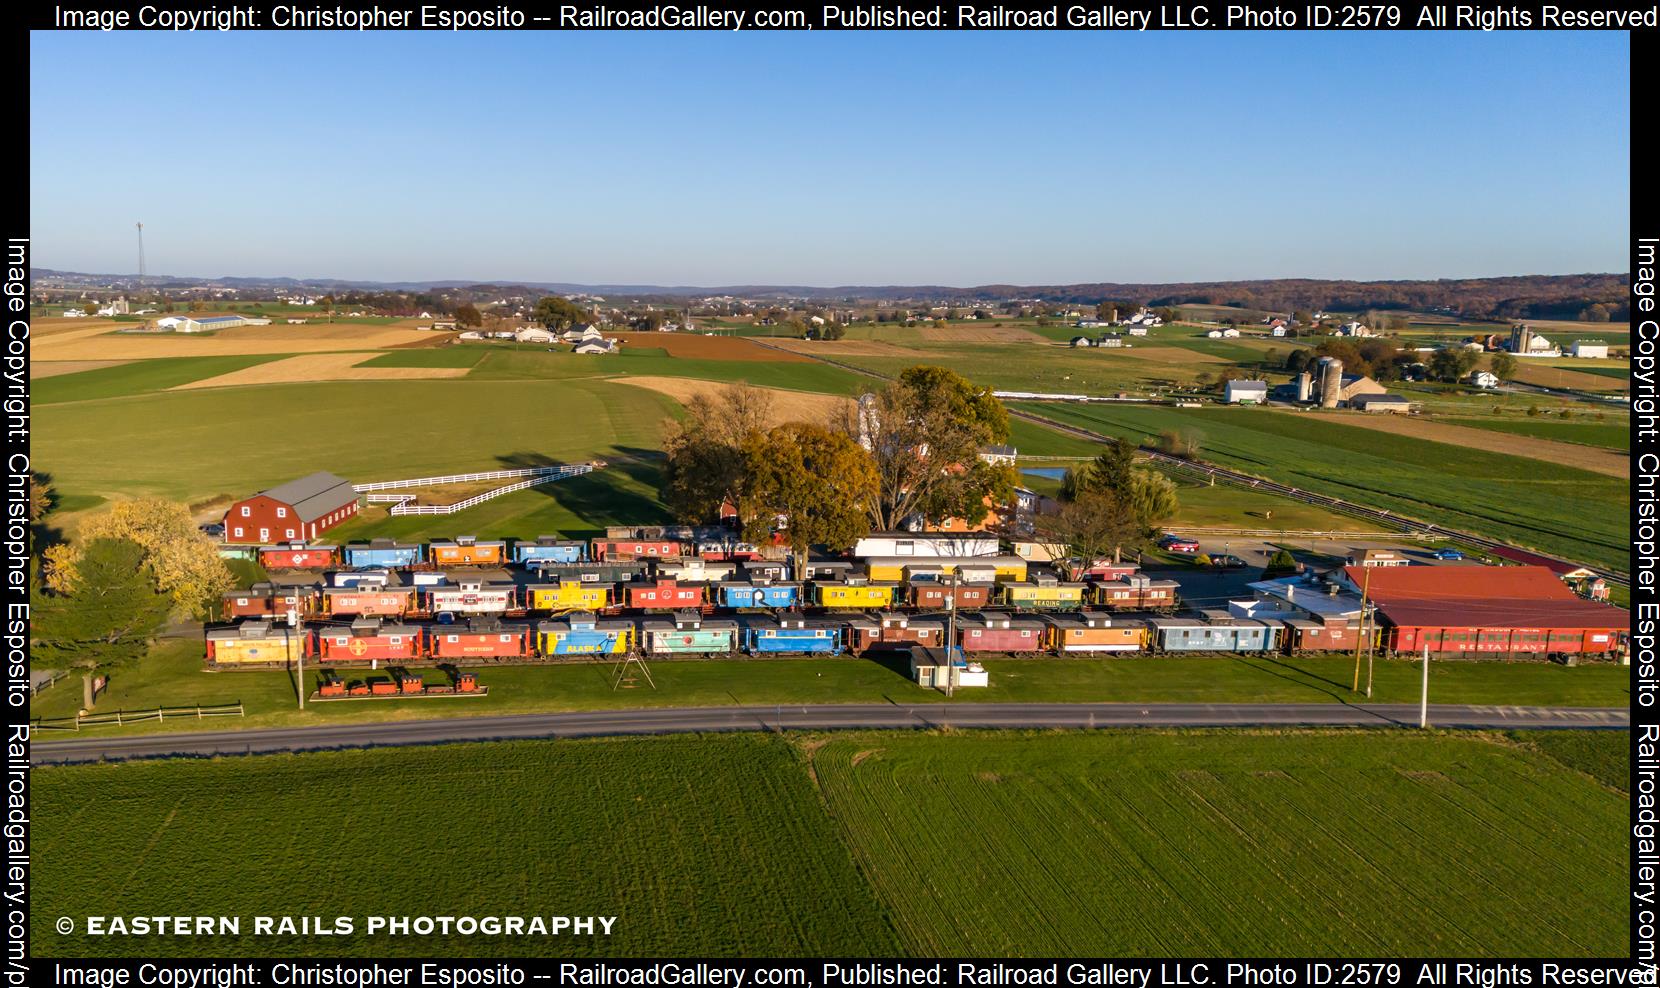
[(1214, 632)]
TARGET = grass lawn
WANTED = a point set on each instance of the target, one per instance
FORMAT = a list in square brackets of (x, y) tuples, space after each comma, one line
[(1521, 500), (173, 676), (699, 846), (1233, 844), (190, 445), (1113, 843), (1227, 506), (139, 377)]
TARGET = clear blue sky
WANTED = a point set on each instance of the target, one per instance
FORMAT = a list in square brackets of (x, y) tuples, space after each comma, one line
[(832, 158)]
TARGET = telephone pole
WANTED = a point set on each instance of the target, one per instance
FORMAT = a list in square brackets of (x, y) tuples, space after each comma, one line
[(141, 254), (951, 636), (1423, 698), (1365, 588)]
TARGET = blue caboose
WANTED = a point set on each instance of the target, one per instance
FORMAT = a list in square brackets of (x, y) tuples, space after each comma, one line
[(791, 635), (384, 554), (1214, 631), (548, 549), (759, 593)]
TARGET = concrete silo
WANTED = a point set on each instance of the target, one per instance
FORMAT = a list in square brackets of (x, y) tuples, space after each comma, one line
[(1331, 381), (1304, 387)]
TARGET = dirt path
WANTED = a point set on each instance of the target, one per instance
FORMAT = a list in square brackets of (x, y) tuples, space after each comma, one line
[(1611, 462)]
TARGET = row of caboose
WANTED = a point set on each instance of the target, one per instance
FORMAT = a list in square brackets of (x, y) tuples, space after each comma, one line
[(692, 633), (471, 551), (604, 589)]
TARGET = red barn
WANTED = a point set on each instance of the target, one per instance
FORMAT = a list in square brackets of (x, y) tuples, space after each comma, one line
[(295, 511), (1487, 610), (479, 639), (367, 641), (367, 601), (664, 594), (298, 556)]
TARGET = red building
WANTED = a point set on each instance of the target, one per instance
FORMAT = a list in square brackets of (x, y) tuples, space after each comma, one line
[(291, 512), (1493, 610), (367, 641)]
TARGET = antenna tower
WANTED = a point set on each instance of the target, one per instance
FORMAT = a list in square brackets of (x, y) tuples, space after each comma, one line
[(141, 253)]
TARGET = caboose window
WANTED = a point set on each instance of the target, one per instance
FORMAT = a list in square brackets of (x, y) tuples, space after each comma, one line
[(506, 638), (396, 639), (451, 639)]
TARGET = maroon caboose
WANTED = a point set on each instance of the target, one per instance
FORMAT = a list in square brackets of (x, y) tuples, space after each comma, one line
[(268, 600), (995, 631), (479, 638), (608, 549), (927, 596), (890, 630), (299, 556)]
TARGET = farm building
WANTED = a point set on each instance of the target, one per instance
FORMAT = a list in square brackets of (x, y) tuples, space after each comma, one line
[(369, 641), (893, 630), (465, 550), (367, 601), (548, 548), (996, 631), (295, 511), (758, 592), (1082, 341), (1381, 403), (584, 634), (791, 634), (1110, 341), (533, 334), (688, 633), (480, 638), (1245, 392), (1135, 591), (204, 324), (1493, 609), (926, 544), (1213, 631), (930, 667), (298, 556), (256, 643), (1484, 379), (384, 553), (595, 346), (1589, 348), (1092, 631), (568, 595)]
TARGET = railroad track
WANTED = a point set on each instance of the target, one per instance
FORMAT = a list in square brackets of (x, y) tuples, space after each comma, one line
[(1401, 523)]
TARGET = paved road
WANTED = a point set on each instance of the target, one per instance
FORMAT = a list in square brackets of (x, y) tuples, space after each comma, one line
[(684, 720)]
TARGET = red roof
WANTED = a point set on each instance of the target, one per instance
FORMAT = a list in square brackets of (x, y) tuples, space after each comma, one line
[(1481, 597)]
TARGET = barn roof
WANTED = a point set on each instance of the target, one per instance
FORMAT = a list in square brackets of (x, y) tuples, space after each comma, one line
[(1476, 597), (314, 496)]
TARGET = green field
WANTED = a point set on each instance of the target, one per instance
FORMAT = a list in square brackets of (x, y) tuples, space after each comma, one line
[(1493, 494), (698, 846), (139, 377), (1611, 435), (1139, 843), (173, 675)]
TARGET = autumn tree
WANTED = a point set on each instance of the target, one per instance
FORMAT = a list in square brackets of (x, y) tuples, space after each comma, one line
[(558, 314), (1094, 526), (467, 314), (41, 496), (925, 431), (109, 619), (1503, 365), (706, 464), (819, 483), (183, 562)]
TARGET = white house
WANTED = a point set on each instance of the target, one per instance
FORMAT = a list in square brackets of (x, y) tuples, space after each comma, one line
[(1230, 333), (996, 455), (1245, 392), (1588, 348), (1214, 334), (1081, 341), (1112, 340), (935, 544), (1484, 379), (596, 346), (1137, 330), (1278, 330), (534, 334)]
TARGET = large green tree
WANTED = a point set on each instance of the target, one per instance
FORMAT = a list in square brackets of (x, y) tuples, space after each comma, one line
[(926, 431), (559, 314), (109, 620), (1116, 488), (706, 465), (818, 482)]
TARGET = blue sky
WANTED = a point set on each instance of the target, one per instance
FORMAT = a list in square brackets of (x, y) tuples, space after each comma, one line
[(832, 158)]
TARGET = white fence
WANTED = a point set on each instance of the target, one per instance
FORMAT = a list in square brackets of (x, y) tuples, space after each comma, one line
[(544, 475), (465, 478)]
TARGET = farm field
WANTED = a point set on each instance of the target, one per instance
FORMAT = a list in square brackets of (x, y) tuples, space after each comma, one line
[(1610, 435), (787, 406), (1504, 496), (101, 342), (1559, 375), (139, 377), (699, 846), (1593, 458), (985, 844), (173, 675), (309, 367), (1231, 844)]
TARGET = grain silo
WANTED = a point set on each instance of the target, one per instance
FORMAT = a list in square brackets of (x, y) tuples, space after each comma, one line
[(1331, 382), (1303, 387)]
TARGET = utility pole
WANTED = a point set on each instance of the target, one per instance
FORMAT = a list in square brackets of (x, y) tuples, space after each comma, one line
[(141, 255), (1365, 587), (1423, 697), (299, 657), (1367, 613), (951, 636)]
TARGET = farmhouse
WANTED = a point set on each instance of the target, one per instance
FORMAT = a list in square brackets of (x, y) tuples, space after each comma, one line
[(595, 346), (1484, 379), (299, 509), (1082, 341), (1245, 392), (1493, 609), (1112, 340)]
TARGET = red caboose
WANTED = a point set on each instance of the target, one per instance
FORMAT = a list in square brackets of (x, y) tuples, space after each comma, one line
[(665, 595), (367, 601), (931, 596), (608, 549), (478, 639), (299, 556), (370, 641), (268, 600)]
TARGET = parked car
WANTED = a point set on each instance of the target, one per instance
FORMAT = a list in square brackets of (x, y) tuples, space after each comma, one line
[(1176, 543), (1451, 554), (1225, 561), (213, 530)]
